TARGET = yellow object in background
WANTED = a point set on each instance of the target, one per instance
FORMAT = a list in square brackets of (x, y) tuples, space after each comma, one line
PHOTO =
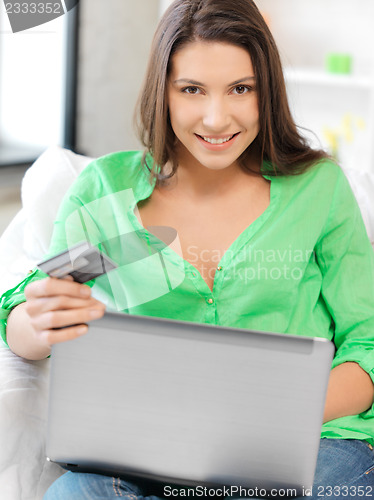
[(331, 138), (347, 127), (345, 132)]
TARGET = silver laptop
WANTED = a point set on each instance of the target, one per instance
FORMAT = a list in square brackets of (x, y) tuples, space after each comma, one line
[(189, 404)]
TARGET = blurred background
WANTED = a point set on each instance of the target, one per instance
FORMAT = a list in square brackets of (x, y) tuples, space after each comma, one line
[(74, 81)]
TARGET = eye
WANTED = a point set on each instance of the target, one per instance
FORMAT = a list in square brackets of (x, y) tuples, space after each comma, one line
[(191, 90), (241, 89)]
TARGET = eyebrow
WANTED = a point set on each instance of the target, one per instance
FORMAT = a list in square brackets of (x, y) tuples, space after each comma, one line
[(194, 82)]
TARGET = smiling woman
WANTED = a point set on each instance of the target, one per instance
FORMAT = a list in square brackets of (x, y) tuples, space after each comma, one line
[(278, 139)]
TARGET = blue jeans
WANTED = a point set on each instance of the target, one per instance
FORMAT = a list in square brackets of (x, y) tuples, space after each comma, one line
[(345, 471)]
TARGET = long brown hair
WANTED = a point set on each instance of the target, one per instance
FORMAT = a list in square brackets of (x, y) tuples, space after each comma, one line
[(240, 23)]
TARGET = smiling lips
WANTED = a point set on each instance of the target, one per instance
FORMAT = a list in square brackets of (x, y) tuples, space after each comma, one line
[(216, 141)]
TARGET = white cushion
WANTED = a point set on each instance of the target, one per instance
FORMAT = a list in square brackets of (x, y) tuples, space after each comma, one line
[(27, 238)]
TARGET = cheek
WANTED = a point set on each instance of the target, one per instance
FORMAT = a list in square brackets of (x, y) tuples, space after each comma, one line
[(182, 117), (250, 116)]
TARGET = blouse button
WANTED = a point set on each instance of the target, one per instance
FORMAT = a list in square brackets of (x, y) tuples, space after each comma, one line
[(219, 268), (210, 301)]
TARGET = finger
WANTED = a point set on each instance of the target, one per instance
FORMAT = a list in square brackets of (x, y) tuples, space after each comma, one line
[(48, 287), (35, 306), (52, 337), (68, 277), (61, 319)]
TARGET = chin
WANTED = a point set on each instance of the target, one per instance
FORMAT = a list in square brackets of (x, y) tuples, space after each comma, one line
[(210, 161), (218, 163)]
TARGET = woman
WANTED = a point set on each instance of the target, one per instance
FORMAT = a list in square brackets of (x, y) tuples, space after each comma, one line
[(269, 235)]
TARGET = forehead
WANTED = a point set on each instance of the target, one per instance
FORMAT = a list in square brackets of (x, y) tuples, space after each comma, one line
[(211, 60)]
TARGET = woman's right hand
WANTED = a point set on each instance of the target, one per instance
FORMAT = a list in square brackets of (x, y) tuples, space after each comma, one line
[(59, 309)]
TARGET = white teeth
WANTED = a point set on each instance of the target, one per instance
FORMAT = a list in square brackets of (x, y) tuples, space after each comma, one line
[(217, 141)]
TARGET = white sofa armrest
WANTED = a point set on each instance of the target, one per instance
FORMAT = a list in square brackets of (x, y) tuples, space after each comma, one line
[(25, 474)]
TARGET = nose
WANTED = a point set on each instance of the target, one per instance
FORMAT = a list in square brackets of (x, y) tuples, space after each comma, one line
[(216, 115)]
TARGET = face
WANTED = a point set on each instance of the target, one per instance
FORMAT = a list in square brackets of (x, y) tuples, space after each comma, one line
[(213, 103)]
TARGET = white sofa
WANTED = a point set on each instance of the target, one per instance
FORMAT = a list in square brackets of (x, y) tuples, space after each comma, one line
[(24, 472)]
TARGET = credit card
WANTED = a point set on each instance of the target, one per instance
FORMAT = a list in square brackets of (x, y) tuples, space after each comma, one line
[(83, 262)]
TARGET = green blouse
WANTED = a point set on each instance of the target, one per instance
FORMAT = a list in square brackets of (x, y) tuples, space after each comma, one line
[(304, 267)]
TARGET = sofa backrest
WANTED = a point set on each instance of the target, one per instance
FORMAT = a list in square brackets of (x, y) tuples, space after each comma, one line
[(26, 239)]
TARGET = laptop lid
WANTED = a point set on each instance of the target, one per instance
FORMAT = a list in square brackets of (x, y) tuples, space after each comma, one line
[(187, 403)]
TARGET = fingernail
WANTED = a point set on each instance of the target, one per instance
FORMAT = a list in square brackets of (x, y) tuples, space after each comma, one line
[(82, 330)]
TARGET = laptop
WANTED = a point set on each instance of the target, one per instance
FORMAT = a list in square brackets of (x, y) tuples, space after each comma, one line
[(189, 404)]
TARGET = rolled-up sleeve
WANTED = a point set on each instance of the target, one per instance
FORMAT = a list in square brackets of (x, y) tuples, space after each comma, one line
[(346, 259), (13, 298)]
